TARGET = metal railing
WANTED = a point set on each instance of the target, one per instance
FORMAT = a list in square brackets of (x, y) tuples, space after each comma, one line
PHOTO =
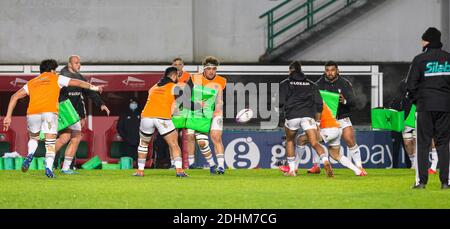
[(311, 11)]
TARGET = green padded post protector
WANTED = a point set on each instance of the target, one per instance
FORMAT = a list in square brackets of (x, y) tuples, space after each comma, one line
[(126, 163), (18, 161), (2, 164), (9, 163), (110, 166), (67, 116), (388, 119), (40, 162), (93, 163), (411, 119), (332, 100)]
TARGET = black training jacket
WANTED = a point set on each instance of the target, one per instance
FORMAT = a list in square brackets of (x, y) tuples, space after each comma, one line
[(76, 94), (299, 97), (429, 80)]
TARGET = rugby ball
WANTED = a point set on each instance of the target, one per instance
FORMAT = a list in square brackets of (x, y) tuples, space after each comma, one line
[(244, 115)]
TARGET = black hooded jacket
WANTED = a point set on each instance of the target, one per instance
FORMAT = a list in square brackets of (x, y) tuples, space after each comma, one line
[(299, 97), (429, 80)]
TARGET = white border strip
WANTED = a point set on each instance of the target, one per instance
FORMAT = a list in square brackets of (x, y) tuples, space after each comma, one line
[(12, 68), (191, 68)]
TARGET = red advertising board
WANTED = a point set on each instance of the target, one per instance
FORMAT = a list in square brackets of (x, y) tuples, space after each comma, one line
[(111, 82)]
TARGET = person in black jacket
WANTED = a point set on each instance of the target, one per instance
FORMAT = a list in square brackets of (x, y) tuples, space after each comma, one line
[(301, 103), (128, 129), (429, 89), (400, 102), (333, 82), (76, 96)]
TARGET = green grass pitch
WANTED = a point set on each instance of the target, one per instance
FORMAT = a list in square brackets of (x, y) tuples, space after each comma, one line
[(252, 189)]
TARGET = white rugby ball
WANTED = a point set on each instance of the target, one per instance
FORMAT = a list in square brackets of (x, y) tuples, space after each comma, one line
[(244, 115)]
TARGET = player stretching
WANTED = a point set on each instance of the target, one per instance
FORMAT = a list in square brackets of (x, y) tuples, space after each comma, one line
[(331, 134), (210, 79), (333, 82), (157, 114), (300, 100), (42, 112)]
